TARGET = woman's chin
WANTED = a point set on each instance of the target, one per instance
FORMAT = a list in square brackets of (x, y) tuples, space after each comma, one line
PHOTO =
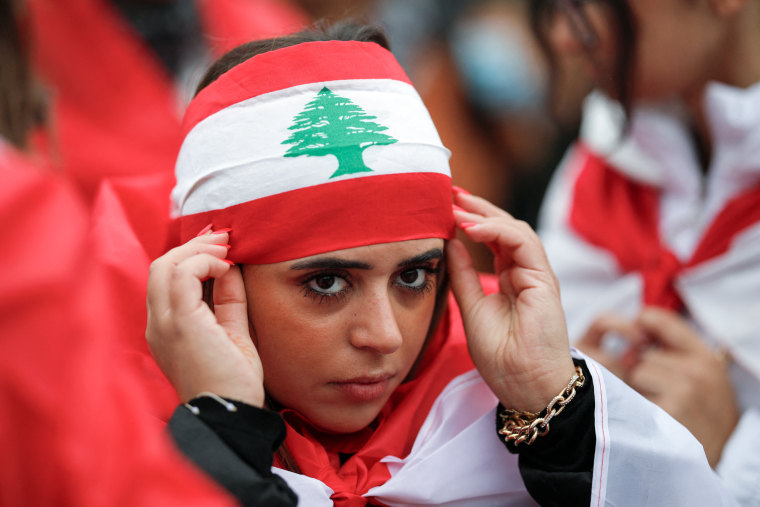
[(345, 421), (345, 425)]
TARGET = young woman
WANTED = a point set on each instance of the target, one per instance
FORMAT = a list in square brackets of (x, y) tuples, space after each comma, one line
[(311, 163), (652, 224)]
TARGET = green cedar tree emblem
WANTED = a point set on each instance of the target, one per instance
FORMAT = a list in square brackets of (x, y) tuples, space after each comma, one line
[(333, 125)]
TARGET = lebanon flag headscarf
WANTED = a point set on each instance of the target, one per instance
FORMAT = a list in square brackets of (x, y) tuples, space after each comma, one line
[(312, 148)]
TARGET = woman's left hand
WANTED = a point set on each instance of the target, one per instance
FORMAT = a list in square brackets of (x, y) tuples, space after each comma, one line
[(517, 337)]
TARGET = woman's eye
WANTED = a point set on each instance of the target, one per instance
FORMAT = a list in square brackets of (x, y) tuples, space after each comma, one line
[(327, 284), (413, 278)]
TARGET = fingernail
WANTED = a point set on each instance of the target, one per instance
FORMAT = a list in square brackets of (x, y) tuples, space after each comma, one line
[(460, 190), (229, 262), (458, 208), (467, 225), (204, 230), (222, 231), (225, 245)]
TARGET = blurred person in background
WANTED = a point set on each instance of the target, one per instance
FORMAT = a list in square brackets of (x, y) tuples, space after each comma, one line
[(505, 77), (75, 429), (116, 75), (485, 81), (652, 223)]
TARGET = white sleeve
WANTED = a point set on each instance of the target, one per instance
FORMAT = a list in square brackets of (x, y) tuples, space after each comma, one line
[(643, 456), (739, 465)]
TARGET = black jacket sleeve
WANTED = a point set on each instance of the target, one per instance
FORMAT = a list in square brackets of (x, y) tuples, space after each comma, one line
[(557, 468), (234, 448)]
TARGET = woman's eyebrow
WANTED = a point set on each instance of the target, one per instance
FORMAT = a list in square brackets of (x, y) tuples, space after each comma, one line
[(433, 253), (330, 262), (336, 263)]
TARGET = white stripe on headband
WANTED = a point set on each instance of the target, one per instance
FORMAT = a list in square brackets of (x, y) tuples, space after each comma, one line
[(296, 137)]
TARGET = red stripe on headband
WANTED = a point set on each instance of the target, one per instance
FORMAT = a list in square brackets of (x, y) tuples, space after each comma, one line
[(337, 215), (308, 62)]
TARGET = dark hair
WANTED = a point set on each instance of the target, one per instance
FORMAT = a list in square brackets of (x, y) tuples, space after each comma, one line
[(541, 13), (19, 106), (321, 31)]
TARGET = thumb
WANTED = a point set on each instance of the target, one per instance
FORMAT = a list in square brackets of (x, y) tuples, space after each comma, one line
[(465, 282), (231, 309), (611, 323)]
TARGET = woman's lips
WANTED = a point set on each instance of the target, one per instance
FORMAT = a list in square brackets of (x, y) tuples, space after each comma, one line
[(364, 389)]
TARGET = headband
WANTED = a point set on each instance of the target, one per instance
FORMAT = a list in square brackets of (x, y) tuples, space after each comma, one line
[(312, 148)]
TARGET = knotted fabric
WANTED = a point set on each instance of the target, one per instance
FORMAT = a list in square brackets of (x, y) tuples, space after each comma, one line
[(622, 216)]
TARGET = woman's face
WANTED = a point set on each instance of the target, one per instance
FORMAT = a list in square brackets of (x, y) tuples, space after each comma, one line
[(677, 45), (338, 332)]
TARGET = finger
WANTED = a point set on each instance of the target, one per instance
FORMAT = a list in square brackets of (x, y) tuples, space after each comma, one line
[(464, 219), (478, 205), (513, 241), (609, 323), (670, 330), (461, 216), (230, 306), (160, 274), (655, 374), (465, 283), (231, 309), (211, 243), (185, 288)]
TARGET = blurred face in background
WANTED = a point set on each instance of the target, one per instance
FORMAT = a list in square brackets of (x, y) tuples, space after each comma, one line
[(677, 44)]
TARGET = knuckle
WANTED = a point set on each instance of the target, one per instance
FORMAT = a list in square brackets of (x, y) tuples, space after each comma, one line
[(600, 324), (522, 224), (524, 227), (156, 265), (177, 272)]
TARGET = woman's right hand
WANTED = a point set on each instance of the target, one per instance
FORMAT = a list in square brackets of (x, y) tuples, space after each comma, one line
[(197, 349), (517, 336)]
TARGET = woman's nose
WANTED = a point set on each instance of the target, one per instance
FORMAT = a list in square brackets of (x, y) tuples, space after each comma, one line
[(375, 324)]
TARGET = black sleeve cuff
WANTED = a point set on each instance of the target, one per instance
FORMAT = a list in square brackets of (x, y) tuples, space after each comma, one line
[(235, 448), (557, 468), (253, 433)]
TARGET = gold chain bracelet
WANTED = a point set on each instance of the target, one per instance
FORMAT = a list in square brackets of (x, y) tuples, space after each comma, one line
[(527, 426)]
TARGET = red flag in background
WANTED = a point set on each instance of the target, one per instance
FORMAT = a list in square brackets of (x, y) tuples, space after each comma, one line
[(115, 132), (73, 430)]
